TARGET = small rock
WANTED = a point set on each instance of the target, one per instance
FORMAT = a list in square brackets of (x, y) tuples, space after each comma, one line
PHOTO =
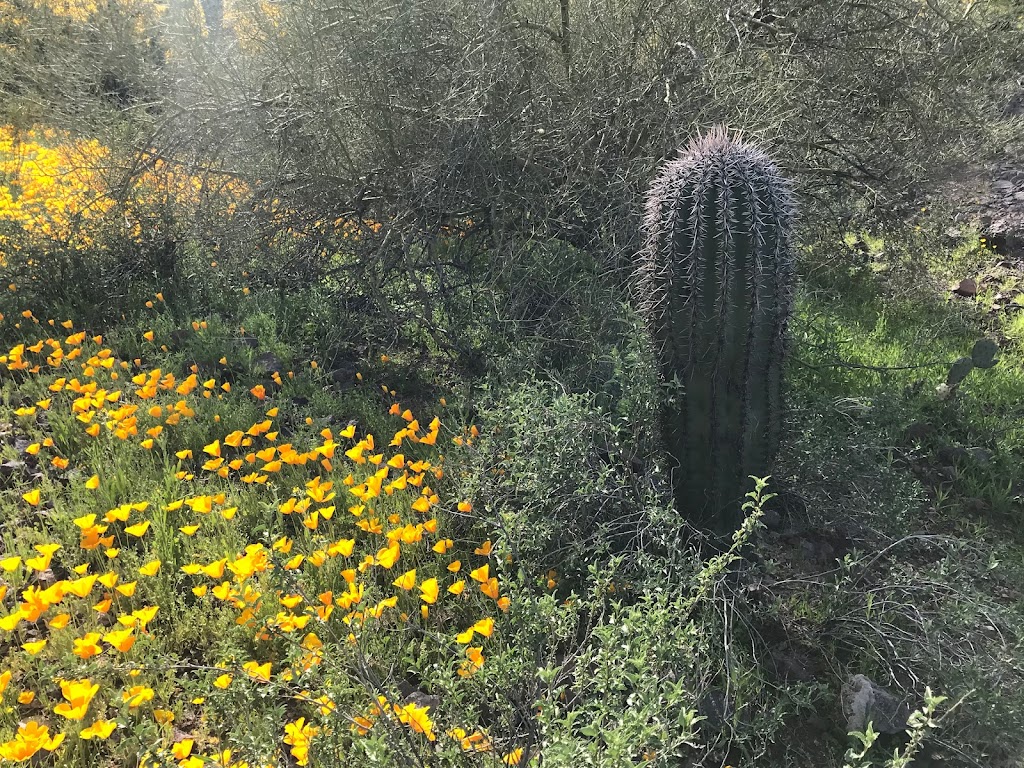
[(414, 695), (268, 362), (864, 701), (772, 519), (952, 454), (421, 699), (968, 288), (45, 578), (11, 468), (345, 375)]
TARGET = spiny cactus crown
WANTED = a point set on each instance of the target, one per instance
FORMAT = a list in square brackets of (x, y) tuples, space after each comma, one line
[(713, 162)]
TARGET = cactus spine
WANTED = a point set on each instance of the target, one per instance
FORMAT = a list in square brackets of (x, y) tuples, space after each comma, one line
[(716, 277)]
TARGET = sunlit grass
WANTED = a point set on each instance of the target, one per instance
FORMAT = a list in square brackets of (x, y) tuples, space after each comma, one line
[(179, 542), (859, 344)]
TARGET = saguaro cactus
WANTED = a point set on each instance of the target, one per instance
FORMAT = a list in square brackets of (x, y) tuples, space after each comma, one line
[(716, 277)]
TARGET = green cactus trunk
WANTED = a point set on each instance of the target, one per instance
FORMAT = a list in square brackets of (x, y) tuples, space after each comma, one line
[(717, 275)]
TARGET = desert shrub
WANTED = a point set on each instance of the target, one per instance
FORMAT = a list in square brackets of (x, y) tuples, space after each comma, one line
[(82, 65), (558, 480), (525, 123), (89, 229), (408, 189), (556, 313)]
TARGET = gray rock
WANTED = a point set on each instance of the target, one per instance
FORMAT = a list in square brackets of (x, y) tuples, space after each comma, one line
[(952, 454), (771, 519), (11, 468), (864, 702), (421, 699), (344, 375), (268, 362), (46, 578), (411, 694)]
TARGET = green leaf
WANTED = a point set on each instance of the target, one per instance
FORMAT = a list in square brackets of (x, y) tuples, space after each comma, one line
[(983, 355), (959, 370)]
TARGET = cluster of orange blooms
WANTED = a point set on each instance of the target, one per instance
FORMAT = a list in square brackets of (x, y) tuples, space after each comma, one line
[(253, 22), (116, 402), (54, 188), (51, 187), (143, 12)]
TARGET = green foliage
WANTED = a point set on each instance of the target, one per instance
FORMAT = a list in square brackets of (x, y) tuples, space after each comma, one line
[(866, 357), (717, 283), (926, 493), (982, 357), (629, 659), (556, 478), (475, 216)]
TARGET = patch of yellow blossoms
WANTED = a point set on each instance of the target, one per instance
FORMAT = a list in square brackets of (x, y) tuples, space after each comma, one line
[(119, 401)]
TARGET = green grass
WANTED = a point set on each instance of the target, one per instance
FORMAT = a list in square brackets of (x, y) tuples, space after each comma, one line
[(861, 347), (925, 528)]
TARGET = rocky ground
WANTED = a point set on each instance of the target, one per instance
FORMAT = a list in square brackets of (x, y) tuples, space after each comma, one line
[(1001, 211)]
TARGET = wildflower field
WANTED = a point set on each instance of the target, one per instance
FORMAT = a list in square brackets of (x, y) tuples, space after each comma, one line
[(181, 550), (191, 550)]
